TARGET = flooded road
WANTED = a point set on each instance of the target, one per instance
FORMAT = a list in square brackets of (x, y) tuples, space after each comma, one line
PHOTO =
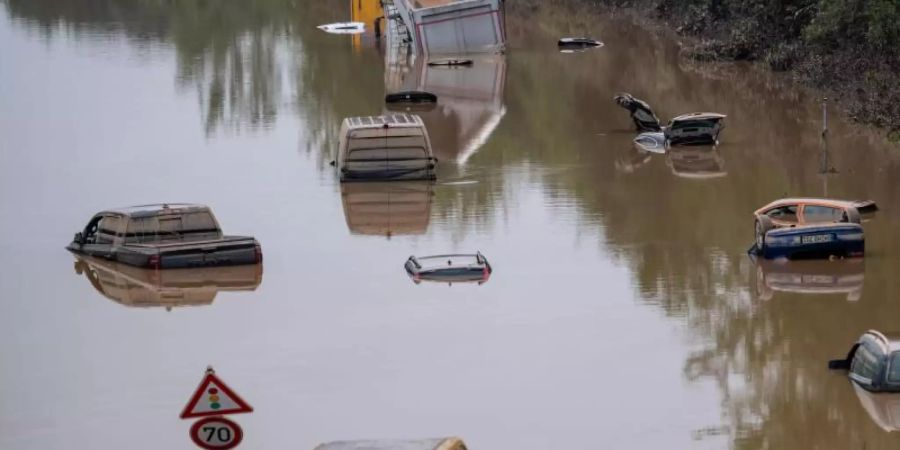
[(623, 311)]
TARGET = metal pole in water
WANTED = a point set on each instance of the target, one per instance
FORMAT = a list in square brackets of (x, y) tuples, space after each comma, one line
[(823, 159)]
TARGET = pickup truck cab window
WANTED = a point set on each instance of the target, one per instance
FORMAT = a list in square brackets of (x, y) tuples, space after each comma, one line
[(108, 228), (90, 231)]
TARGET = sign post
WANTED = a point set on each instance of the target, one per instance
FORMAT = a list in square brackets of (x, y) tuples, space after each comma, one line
[(211, 400)]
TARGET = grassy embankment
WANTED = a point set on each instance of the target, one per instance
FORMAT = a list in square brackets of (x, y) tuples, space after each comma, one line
[(848, 48)]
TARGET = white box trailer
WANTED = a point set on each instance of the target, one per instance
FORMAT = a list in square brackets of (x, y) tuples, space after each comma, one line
[(454, 26)]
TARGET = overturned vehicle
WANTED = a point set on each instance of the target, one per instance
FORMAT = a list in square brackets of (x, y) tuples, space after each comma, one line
[(457, 268), (699, 128)]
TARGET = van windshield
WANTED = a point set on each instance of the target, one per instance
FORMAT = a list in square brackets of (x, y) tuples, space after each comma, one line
[(893, 375)]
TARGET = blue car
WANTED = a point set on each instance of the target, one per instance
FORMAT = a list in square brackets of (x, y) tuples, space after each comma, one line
[(814, 241), (801, 228)]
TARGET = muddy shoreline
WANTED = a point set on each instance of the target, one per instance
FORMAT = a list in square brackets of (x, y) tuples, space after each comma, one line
[(862, 79)]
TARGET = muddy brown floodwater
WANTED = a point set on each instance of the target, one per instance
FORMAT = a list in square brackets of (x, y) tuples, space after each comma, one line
[(623, 311)]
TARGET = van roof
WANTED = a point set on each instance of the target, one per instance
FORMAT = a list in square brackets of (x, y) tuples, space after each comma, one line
[(391, 121), (157, 208)]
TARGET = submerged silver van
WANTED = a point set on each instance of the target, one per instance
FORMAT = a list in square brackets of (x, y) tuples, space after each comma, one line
[(390, 147)]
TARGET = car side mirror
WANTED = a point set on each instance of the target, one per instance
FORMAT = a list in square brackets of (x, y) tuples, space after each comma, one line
[(79, 238)]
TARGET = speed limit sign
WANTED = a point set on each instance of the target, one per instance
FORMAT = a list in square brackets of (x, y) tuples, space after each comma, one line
[(216, 433)]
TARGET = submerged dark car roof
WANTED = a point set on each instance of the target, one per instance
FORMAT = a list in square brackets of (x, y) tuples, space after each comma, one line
[(156, 209)]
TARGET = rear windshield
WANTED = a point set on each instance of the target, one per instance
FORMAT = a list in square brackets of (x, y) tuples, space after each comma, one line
[(894, 368), (171, 227), (707, 123), (387, 147)]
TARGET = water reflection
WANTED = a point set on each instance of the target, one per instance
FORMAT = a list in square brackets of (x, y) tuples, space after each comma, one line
[(681, 245), (810, 277), (696, 161), (143, 288), (883, 408), (633, 159), (470, 100), (387, 208), (233, 55)]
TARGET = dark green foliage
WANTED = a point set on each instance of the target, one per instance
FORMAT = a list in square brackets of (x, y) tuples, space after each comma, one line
[(872, 23)]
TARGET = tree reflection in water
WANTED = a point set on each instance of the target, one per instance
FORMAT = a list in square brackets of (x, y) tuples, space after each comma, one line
[(683, 240)]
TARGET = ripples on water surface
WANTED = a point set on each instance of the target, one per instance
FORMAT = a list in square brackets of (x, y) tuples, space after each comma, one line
[(623, 311)]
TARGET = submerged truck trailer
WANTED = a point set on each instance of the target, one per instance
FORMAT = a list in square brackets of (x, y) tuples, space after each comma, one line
[(441, 27)]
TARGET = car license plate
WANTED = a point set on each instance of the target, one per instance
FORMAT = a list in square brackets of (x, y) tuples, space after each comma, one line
[(815, 239)]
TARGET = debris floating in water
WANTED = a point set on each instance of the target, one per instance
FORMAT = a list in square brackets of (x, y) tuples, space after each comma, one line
[(343, 28), (410, 97), (450, 62), (577, 44)]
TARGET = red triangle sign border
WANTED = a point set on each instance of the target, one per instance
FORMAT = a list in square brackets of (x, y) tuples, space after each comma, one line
[(210, 378)]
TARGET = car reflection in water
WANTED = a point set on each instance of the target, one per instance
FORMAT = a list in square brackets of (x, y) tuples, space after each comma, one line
[(810, 277), (696, 161), (883, 408), (146, 288), (469, 100), (631, 160), (387, 208)]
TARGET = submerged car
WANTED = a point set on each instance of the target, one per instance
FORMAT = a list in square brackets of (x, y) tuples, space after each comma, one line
[(145, 288), (873, 362), (641, 113), (699, 128), (389, 444), (651, 141), (450, 62), (798, 228), (810, 277), (390, 147), (163, 236), (577, 44), (457, 268), (343, 28)]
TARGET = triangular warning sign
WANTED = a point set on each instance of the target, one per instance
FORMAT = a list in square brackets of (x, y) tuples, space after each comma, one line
[(213, 398)]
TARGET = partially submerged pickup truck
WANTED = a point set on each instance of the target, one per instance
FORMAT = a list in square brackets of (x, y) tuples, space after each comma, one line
[(164, 236)]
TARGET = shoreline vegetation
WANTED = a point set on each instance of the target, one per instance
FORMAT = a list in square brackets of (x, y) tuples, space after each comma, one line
[(848, 49)]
